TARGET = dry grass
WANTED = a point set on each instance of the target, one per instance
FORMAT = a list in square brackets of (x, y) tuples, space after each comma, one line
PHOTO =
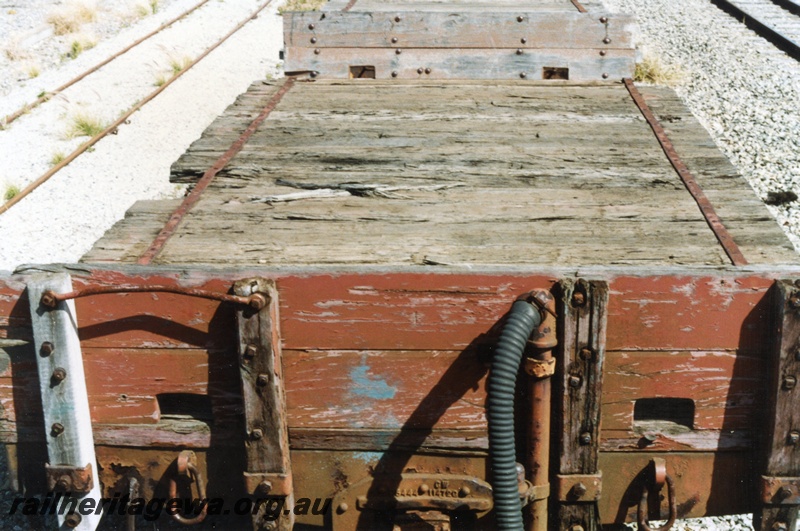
[(179, 64), (301, 5), (79, 44), (11, 191), (57, 158), (72, 16), (144, 8), (652, 70), (14, 51), (83, 123), (33, 69)]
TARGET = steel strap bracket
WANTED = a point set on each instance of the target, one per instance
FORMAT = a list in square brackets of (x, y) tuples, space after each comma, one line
[(69, 478), (780, 491), (264, 483), (578, 487)]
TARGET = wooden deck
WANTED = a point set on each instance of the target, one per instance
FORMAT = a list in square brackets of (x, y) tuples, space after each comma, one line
[(453, 174)]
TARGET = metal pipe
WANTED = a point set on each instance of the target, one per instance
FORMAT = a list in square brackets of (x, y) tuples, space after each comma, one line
[(501, 386)]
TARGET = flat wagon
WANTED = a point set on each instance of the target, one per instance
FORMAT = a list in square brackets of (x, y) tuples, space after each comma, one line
[(453, 272)]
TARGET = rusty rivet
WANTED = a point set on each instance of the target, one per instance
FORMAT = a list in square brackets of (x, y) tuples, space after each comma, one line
[(397, 19), (342, 508), (316, 51), (519, 51), (48, 299), (606, 40), (398, 51), (394, 73), (311, 26), (578, 299), (587, 354), (794, 300), (523, 75), (262, 380), (603, 19), (313, 40), (427, 70), (574, 381), (72, 520), (784, 493), (789, 382), (264, 487), (250, 351), (520, 18), (256, 434), (605, 75), (423, 489), (579, 489), (585, 438), (46, 349), (394, 39), (419, 70), (64, 483), (523, 40), (57, 429), (59, 375), (464, 492), (603, 53), (313, 74)]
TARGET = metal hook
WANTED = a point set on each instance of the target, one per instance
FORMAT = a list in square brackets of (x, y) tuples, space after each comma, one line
[(659, 477), (186, 467)]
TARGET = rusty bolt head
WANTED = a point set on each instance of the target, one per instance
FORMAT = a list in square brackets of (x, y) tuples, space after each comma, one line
[(57, 429), (603, 20), (587, 354), (264, 487), (72, 520), (579, 489), (397, 19), (313, 40), (59, 375), (578, 299), (423, 489), (394, 39), (519, 51), (250, 351), (585, 438), (311, 26), (64, 483), (784, 493), (574, 381), (427, 70), (523, 75), (46, 349), (262, 380), (256, 434), (463, 492), (789, 382), (523, 40), (342, 508), (317, 51), (794, 437), (394, 73), (520, 18), (313, 74), (419, 70), (398, 51), (606, 40), (603, 53), (48, 299), (605, 75)]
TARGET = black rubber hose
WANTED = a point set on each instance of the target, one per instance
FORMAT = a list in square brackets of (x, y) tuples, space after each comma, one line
[(522, 320)]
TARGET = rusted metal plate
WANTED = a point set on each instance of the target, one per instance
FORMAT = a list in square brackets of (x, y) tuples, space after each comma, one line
[(425, 29)]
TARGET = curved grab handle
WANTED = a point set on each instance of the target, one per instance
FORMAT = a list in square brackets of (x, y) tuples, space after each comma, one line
[(50, 299), (658, 479), (185, 467)]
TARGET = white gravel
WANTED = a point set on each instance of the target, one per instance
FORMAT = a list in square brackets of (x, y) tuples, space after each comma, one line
[(62, 218)]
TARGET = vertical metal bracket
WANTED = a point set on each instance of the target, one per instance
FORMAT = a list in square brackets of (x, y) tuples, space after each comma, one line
[(782, 444), (65, 403), (268, 474), (582, 336)]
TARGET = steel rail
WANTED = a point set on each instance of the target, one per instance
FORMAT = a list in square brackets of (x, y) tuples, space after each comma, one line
[(706, 208), (113, 127), (50, 93), (752, 21), (194, 196)]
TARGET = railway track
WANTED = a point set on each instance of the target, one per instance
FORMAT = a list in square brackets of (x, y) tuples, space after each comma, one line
[(112, 128), (778, 21)]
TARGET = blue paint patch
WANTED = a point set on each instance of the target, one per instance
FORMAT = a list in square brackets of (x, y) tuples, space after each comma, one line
[(368, 457), (370, 386)]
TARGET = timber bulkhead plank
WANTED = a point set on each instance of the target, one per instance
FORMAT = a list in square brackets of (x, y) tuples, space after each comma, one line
[(461, 174)]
